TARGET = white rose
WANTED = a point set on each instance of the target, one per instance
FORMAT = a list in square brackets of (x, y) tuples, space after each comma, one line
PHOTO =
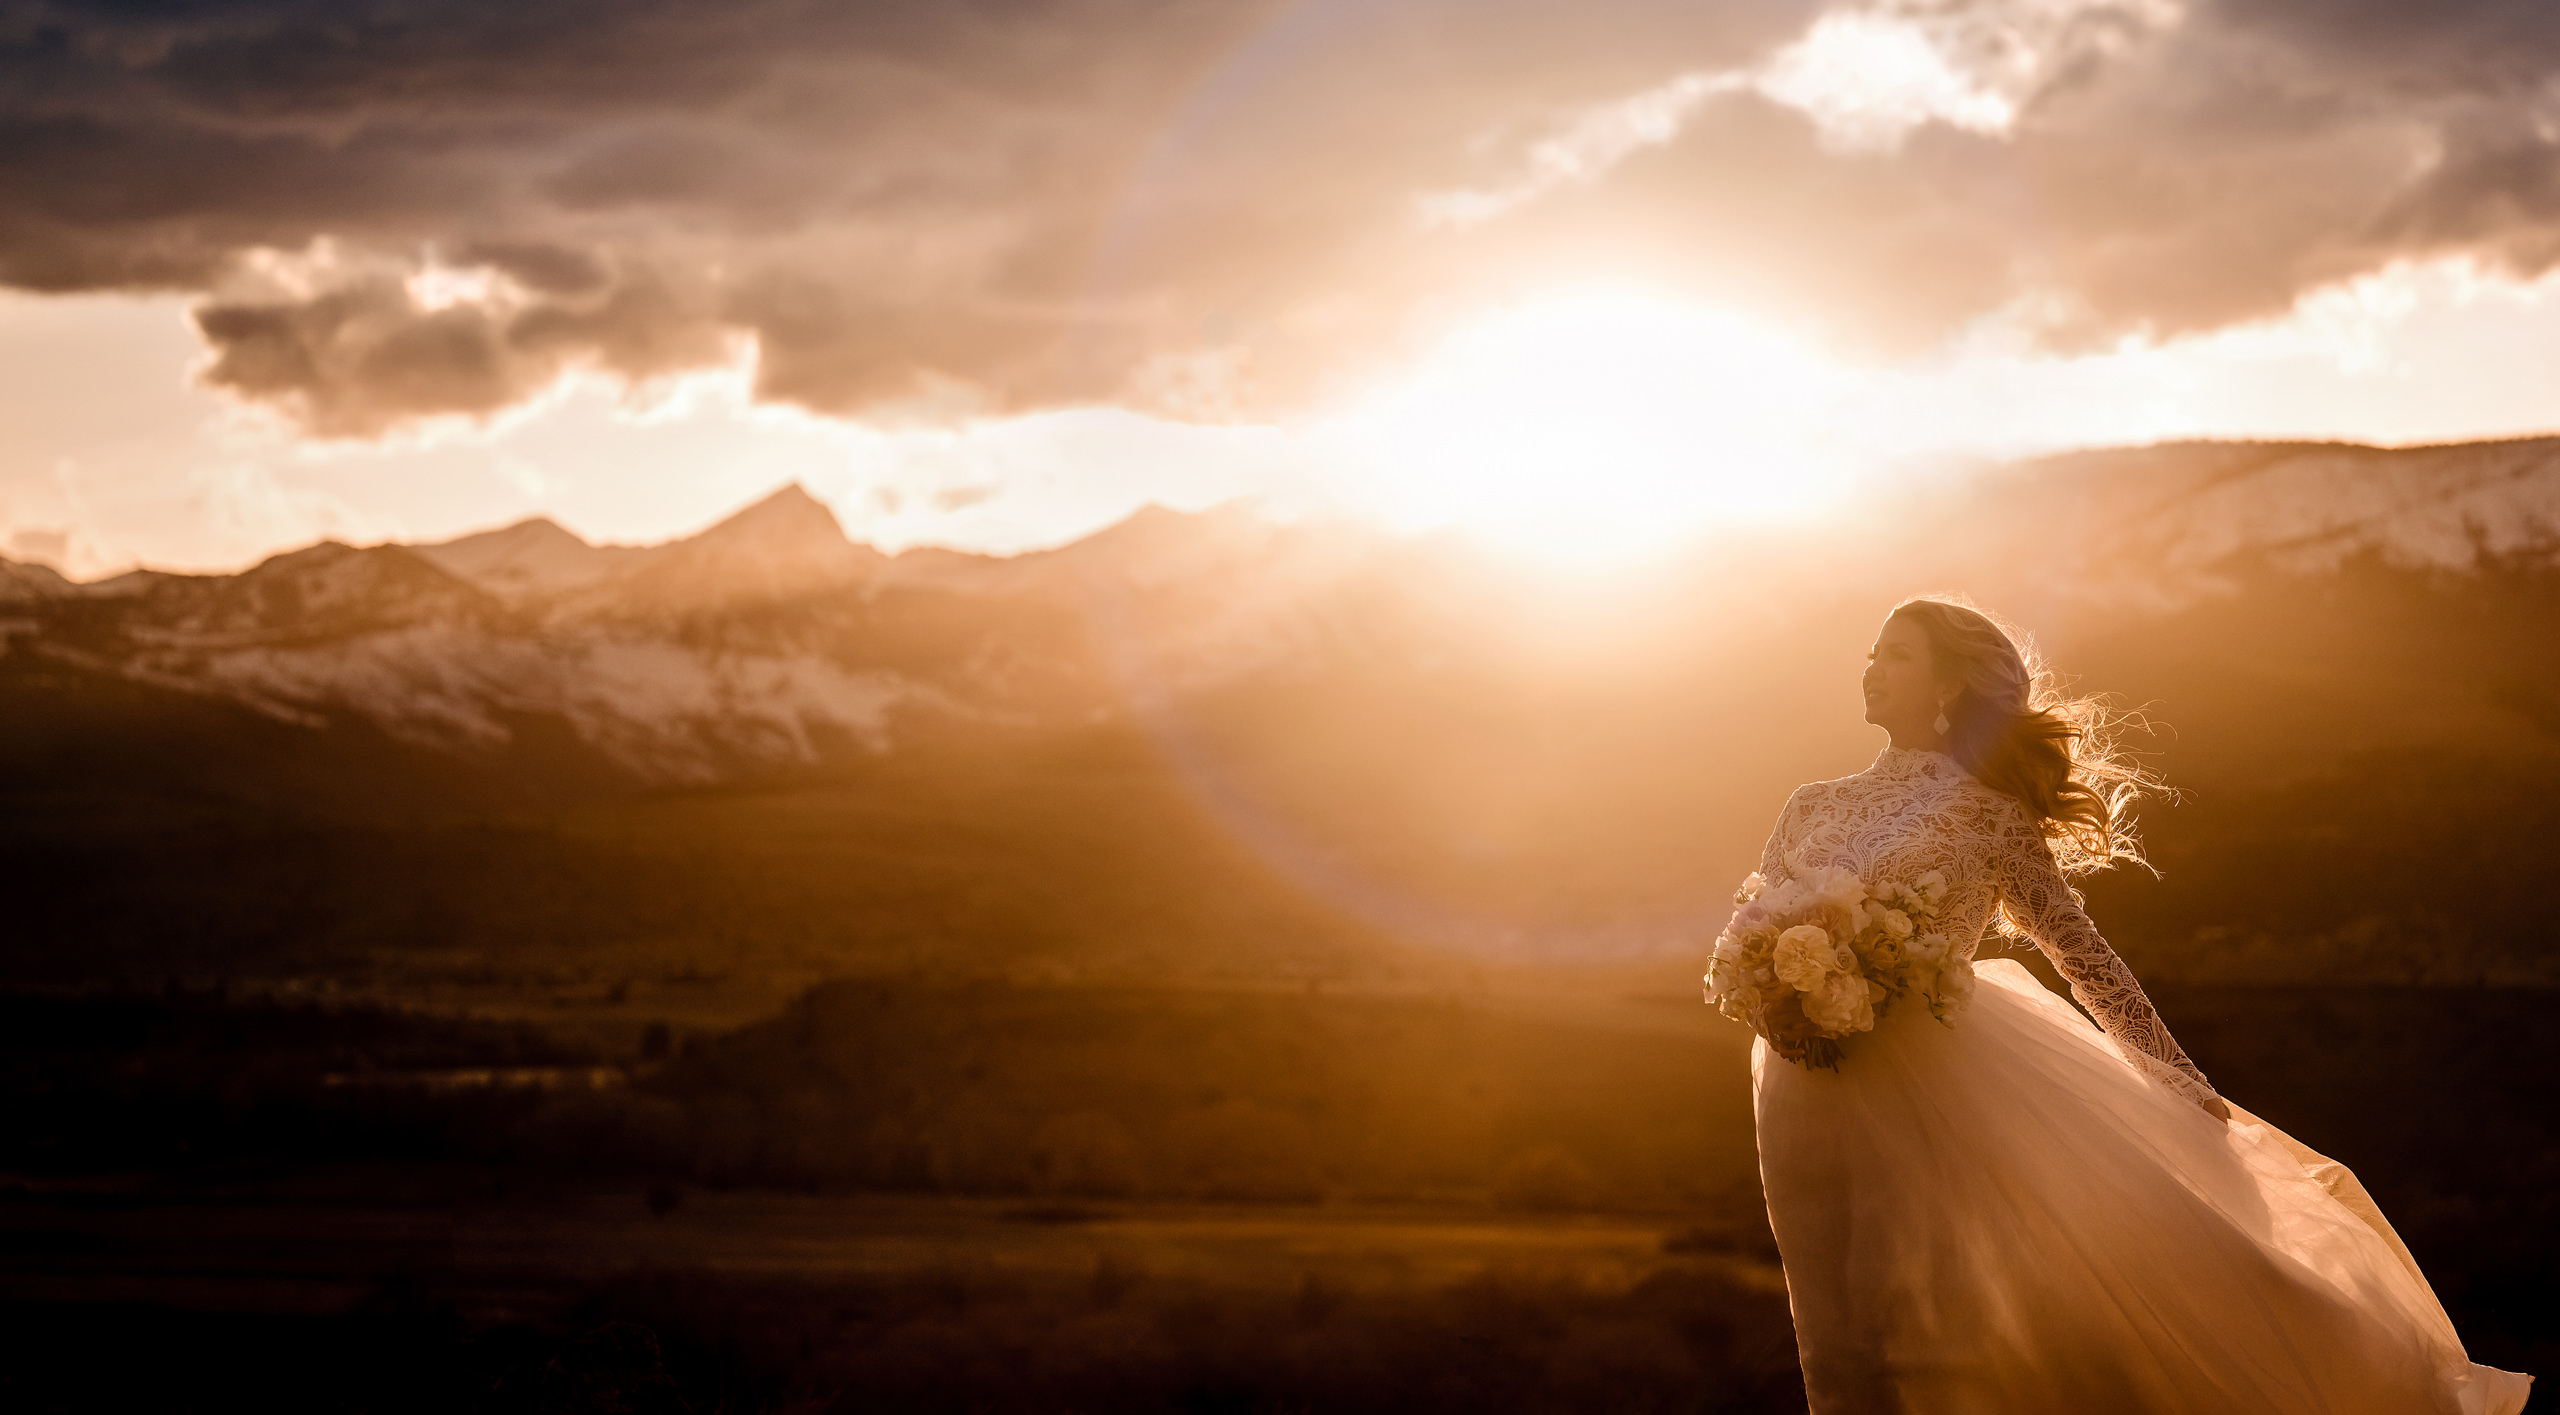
[(1804, 957), (1897, 924), (1843, 1003)]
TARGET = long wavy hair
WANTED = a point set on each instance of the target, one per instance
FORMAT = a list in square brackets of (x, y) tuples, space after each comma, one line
[(2013, 727)]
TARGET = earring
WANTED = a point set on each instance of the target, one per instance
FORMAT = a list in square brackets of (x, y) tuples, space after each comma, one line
[(1941, 725)]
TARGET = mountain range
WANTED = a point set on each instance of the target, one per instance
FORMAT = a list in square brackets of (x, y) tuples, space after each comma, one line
[(1381, 742), (768, 640)]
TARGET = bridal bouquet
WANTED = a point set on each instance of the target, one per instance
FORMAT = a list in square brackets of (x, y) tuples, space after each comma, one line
[(1821, 955)]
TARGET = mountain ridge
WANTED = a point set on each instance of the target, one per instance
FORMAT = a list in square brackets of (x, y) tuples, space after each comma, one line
[(2302, 506), (1204, 736), (750, 645), (505, 559)]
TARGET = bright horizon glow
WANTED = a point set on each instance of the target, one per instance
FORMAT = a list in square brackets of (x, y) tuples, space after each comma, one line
[(1576, 429), (1597, 428)]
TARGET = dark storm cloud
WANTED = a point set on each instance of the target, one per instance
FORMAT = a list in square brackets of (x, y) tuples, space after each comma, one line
[(2266, 147), (1206, 205)]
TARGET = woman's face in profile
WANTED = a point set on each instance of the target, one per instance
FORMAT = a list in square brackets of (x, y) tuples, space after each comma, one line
[(1902, 686)]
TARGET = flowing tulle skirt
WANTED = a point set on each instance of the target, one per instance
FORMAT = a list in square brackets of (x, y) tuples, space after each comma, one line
[(2010, 1216)]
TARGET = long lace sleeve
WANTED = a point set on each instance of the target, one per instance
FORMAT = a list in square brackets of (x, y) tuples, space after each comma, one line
[(1773, 856), (2039, 900)]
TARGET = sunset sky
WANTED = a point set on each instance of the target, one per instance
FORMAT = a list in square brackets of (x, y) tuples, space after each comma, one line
[(1583, 278)]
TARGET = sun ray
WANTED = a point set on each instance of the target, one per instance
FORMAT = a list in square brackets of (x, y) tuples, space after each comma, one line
[(1600, 427)]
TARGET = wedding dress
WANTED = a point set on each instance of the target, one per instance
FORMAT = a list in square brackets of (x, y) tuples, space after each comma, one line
[(2022, 1215)]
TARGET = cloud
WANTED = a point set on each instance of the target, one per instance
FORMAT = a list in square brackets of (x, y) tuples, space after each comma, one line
[(1218, 209), (1866, 77), (356, 349), (1587, 147), (50, 545)]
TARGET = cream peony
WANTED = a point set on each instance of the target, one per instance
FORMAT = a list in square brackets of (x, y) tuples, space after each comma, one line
[(1805, 956), (1843, 1003), (1846, 950)]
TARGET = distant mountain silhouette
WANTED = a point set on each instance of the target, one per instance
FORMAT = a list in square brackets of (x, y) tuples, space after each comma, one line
[(1374, 739), (25, 582), (2178, 516), (528, 560)]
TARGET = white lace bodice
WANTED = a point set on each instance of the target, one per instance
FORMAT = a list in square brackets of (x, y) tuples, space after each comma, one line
[(1916, 811)]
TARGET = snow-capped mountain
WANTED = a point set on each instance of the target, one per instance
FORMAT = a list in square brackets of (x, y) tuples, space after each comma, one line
[(771, 639), (1194, 739), (2175, 520), (766, 640), (528, 560)]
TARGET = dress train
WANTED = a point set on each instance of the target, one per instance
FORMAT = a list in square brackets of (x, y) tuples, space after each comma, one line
[(2017, 1215)]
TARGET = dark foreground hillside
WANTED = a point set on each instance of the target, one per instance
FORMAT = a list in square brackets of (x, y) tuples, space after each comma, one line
[(977, 1198), (1184, 1202)]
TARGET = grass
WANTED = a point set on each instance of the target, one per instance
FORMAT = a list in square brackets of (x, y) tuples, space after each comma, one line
[(351, 1299)]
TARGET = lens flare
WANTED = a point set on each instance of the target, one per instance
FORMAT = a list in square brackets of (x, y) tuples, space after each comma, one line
[(1601, 428)]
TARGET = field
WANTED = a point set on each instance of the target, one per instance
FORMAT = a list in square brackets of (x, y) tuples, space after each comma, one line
[(1483, 1203), (770, 1301)]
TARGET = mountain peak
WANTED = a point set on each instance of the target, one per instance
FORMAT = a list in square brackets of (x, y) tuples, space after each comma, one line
[(790, 513), (783, 547), (531, 557), (28, 580), (532, 530), (1157, 542)]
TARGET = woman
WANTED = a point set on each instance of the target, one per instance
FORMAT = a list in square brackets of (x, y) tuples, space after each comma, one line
[(2019, 1213)]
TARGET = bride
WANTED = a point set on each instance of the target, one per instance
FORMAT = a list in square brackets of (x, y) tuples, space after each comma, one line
[(2020, 1213)]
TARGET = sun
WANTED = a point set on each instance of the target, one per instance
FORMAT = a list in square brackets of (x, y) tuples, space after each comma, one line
[(1601, 428)]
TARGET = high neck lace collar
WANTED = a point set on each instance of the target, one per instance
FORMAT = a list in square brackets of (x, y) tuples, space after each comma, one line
[(1914, 763)]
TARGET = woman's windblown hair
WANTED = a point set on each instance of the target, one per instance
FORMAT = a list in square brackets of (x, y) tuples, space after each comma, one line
[(2016, 731)]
